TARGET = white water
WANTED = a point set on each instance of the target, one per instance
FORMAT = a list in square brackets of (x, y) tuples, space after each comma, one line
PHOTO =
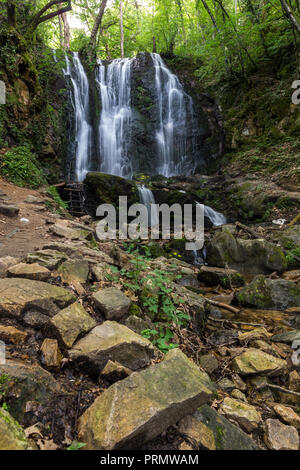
[(115, 120), (174, 108), (147, 198), (215, 217), (80, 103)]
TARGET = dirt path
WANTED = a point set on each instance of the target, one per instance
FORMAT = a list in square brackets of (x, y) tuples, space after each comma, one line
[(16, 236)]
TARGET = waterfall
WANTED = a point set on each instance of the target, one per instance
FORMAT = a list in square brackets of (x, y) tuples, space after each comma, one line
[(175, 110), (114, 81), (147, 198), (81, 105), (215, 217)]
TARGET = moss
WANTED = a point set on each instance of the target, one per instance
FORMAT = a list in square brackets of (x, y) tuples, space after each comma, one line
[(134, 310), (21, 167)]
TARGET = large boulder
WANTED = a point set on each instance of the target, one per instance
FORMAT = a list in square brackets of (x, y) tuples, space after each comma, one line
[(12, 436), (70, 323), (19, 295), (277, 294), (101, 188), (112, 303), (137, 409), (111, 341), (22, 383), (254, 361), (249, 256)]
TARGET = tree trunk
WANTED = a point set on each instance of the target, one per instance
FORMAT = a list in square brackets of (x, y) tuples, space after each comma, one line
[(289, 14), (121, 29), (67, 34), (11, 13), (93, 39), (154, 44)]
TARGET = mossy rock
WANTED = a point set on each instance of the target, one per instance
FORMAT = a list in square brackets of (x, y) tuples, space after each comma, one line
[(12, 436)]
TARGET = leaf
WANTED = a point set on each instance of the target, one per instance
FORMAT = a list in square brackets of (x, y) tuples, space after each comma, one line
[(76, 445)]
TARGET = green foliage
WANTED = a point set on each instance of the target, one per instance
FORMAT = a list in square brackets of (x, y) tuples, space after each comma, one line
[(20, 166), (293, 257), (61, 206), (76, 445)]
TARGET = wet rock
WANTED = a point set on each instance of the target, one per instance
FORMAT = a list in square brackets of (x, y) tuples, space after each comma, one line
[(277, 294), (209, 363), (50, 259), (288, 337), (112, 303), (10, 334), (5, 263), (70, 323), (134, 410), (254, 361), (250, 256), (114, 371), (111, 341), (287, 415), (242, 413), (18, 295), (225, 277), (9, 210), (74, 270), (227, 436), (279, 436), (26, 382), (12, 436), (32, 271), (197, 433), (51, 356)]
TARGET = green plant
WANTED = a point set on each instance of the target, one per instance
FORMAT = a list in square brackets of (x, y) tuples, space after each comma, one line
[(76, 445), (20, 166), (61, 206)]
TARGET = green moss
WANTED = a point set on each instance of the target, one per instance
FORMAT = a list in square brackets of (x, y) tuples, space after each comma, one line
[(134, 310)]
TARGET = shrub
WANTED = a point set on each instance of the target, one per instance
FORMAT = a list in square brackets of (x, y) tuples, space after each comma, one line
[(20, 166)]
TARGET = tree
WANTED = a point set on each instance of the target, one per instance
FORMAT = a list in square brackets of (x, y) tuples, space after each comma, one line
[(97, 24), (121, 30)]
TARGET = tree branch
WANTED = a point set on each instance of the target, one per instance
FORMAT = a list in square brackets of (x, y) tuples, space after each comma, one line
[(40, 17)]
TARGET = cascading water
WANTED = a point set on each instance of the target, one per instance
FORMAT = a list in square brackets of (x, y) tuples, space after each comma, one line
[(175, 108), (147, 198), (115, 120), (215, 217), (81, 105)]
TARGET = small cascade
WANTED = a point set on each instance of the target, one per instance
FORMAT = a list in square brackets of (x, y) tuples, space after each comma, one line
[(81, 105), (115, 120), (147, 198), (175, 110), (215, 217)]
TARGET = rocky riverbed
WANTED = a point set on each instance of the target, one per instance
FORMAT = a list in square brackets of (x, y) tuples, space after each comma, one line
[(114, 345)]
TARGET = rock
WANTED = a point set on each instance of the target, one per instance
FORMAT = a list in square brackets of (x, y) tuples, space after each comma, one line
[(26, 382), (76, 250), (70, 233), (209, 363), (10, 334), (226, 384), (50, 259), (197, 433), (114, 371), (19, 295), (9, 210), (277, 294), (288, 337), (51, 355), (258, 384), (279, 436), (102, 188), (35, 319), (196, 304), (74, 270), (70, 323), (293, 275), (242, 413), (12, 436), (263, 345), (225, 277), (5, 263), (227, 436), (134, 410), (254, 361), (287, 415), (112, 303), (257, 333), (238, 382), (111, 341), (29, 271), (238, 395), (33, 200), (223, 337), (137, 324), (250, 256), (101, 270)]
